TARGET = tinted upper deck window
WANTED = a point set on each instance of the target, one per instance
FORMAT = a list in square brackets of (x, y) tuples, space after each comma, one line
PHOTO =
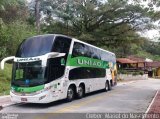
[(35, 46)]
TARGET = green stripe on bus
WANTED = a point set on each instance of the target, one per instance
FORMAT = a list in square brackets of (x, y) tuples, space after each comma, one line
[(86, 62), (27, 89)]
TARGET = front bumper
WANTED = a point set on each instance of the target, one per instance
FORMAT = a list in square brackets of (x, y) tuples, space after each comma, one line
[(44, 97)]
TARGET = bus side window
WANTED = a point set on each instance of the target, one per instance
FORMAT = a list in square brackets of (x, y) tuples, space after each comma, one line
[(86, 73), (61, 44), (78, 50), (95, 53), (88, 51)]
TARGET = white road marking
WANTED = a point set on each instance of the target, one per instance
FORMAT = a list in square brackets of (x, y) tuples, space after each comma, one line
[(151, 103)]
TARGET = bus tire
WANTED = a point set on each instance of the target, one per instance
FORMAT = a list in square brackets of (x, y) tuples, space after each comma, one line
[(107, 86), (81, 91), (111, 83), (70, 94)]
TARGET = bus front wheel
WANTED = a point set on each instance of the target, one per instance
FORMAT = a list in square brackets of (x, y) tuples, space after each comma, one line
[(70, 94)]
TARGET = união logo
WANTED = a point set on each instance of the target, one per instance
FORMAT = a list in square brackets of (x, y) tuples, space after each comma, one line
[(89, 62)]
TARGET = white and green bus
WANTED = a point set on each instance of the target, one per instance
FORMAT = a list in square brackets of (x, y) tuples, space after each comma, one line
[(52, 67)]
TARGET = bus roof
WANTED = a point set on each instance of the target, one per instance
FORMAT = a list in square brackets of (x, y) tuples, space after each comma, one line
[(77, 41)]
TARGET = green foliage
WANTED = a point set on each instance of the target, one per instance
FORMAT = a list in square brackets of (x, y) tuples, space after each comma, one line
[(13, 26), (149, 50), (152, 47), (137, 73), (112, 25), (134, 73), (4, 3), (12, 34), (5, 79), (120, 71), (13, 10), (141, 72)]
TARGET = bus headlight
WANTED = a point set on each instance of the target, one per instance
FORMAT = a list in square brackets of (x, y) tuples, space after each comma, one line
[(43, 90)]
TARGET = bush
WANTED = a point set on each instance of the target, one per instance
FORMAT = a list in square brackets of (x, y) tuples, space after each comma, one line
[(141, 72), (12, 34), (138, 73), (5, 79), (123, 71), (134, 73)]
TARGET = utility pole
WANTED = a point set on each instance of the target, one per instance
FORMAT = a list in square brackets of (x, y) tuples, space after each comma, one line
[(37, 15)]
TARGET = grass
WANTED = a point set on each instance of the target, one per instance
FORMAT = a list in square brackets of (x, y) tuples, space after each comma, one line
[(5, 79)]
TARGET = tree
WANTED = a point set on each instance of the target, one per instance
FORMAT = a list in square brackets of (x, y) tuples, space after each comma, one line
[(37, 14), (12, 34), (13, 26), (110, 24), (103, 24), (13, 10)]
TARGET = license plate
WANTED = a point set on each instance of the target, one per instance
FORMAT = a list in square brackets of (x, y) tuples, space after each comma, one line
[(24, 99)]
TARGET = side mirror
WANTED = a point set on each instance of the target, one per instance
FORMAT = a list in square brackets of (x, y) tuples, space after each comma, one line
[(6, 59)]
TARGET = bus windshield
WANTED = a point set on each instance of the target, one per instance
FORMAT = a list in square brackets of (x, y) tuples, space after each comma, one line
[(28, 74), (35, 46)]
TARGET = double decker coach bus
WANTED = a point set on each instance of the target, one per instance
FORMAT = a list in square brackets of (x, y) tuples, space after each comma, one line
[(51, 67)]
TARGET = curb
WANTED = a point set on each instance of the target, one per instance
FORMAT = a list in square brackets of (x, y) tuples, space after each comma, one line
[(8, 103), (151, 102)]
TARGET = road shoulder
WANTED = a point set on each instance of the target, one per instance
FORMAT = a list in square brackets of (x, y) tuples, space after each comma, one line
[(154, 106), (5, 101)]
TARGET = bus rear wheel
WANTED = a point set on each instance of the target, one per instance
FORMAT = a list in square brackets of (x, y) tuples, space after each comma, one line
[(80, 92), (107, 86), (70, 94)]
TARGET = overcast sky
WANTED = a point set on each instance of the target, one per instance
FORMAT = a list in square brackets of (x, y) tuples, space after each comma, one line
[(152, 34)]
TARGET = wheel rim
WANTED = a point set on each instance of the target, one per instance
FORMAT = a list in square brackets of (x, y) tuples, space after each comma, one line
[(70, 93), (80, 91)]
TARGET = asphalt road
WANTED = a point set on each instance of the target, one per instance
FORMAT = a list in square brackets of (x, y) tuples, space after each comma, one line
[(134, 97)]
